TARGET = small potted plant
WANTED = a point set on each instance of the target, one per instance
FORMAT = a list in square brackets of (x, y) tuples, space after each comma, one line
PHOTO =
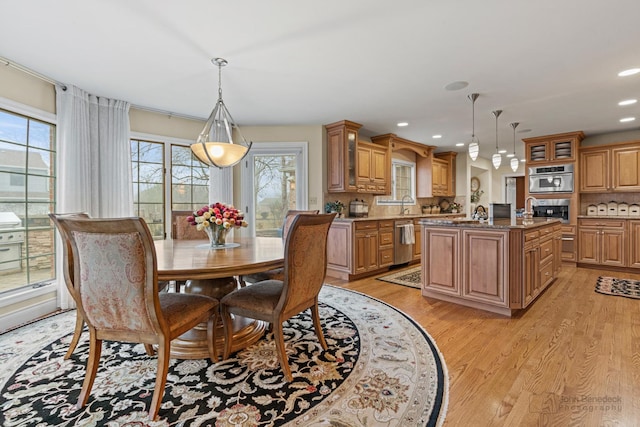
[(336, 206), (455, 207)]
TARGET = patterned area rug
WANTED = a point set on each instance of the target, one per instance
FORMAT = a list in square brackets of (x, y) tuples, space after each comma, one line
[(381, 369), (410, 277), (618, 287)]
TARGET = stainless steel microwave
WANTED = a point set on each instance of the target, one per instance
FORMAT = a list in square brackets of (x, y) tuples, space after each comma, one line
[(551, 179)]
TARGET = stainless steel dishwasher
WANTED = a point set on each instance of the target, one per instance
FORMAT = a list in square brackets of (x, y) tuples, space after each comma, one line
[(403, 248)]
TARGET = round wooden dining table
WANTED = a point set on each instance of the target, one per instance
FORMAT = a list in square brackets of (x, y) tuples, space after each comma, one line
[(214, 272)]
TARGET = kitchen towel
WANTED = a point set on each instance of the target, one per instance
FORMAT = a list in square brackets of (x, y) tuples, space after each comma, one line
[(408, 236)]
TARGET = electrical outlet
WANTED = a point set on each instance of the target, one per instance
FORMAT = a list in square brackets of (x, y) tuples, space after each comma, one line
[(313, 201)]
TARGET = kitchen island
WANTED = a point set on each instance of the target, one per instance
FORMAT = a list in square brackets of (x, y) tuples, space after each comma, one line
[(499, 266)]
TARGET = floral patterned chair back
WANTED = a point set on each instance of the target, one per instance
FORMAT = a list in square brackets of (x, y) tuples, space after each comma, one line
[(182, 230), (116, 278)]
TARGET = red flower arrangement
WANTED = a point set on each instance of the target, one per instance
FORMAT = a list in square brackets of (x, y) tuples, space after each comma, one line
[(217, 215)]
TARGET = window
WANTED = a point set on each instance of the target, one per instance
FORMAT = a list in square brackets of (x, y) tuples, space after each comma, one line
[(189, 182), (27, 195), (403, 183)]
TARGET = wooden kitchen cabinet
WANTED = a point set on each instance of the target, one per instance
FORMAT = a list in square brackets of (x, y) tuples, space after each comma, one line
[(442, 265), (417, 247), (385, 243), (485, 276), (342, 140), (365, 251), (373, 169), (559, 148), (436, 175), (634, 243), (602, 242), (610, 168), (495, 269)]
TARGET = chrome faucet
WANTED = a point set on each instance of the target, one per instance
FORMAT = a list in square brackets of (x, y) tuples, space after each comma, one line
[(404, 210)]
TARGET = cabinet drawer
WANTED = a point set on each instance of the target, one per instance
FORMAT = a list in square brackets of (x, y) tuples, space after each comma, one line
[(386, 257), (531, 235), (568, 229), (546, 274), (546, 250), (599, 222), (385, 224), (547, 231), (366, 225), (386, 237)]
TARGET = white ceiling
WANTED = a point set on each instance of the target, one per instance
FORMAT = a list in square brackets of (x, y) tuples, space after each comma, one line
[(550, 65)]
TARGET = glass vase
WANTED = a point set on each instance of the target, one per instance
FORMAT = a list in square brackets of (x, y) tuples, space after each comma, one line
[(217, 236)]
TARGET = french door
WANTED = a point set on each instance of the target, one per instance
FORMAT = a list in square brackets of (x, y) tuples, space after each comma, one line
[(274, 180)]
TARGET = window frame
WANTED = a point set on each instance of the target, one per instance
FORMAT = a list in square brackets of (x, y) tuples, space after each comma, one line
[(393, 199)]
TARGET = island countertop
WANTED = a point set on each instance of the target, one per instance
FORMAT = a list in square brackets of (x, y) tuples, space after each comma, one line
[(501, 223), (440, 216)]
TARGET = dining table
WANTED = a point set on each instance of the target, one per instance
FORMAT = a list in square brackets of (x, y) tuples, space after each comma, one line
[(215, 272)]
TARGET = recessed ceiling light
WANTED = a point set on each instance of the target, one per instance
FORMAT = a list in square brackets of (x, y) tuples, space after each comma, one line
[(523, 160), (456, 85), (627, 119), (524, 131), (629, 72), (627, 102), (502, 151), (403, 124), (510, 155), (460, 144), (436, 136)]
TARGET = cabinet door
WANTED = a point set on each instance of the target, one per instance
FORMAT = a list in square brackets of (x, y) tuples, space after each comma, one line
[(531, 272), (536, 152), (562, 149), (364, 165), (626, 169), (417, 247), (485, 258), (440, 268), (634, 244), (594, 171), (612, 247), (588, 246), (379, 164), (557, 252)]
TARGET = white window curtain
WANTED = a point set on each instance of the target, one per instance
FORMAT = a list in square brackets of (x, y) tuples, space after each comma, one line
[(94, 159)]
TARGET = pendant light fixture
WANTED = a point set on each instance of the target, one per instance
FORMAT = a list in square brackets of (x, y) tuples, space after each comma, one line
[(474, 145), (215, 145), (497, 158), (515, 163)]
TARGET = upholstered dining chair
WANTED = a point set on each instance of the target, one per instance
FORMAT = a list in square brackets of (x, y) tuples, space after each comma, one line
[(274, 301), (181, 229), (116, 279), (68, 277), (277, 273)]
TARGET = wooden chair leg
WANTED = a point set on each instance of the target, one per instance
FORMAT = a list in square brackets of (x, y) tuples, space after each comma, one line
[(317, 326), (95, 349), (228, 331), (149, 349), (211, 337), (278, 336), (76, 335), (161, 378)]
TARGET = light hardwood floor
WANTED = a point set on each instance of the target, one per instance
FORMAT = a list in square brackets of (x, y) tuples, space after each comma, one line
[(571, 359)]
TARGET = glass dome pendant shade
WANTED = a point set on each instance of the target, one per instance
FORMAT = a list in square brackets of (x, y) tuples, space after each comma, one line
[(496, 159), (215, 145), (474, 145), (515, 163)]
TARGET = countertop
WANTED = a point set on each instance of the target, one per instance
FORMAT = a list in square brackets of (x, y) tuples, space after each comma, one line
[(505, 223), (608, 217), (399, 217)]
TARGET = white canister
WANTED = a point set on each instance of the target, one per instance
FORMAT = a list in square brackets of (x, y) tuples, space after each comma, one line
[(612, 208), (634, 210), (592, 210), (623, 209), (602, 209)]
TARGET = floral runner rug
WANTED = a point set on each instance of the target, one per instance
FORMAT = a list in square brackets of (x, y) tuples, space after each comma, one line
[(618, 287), (409, 277), (381, 369)]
